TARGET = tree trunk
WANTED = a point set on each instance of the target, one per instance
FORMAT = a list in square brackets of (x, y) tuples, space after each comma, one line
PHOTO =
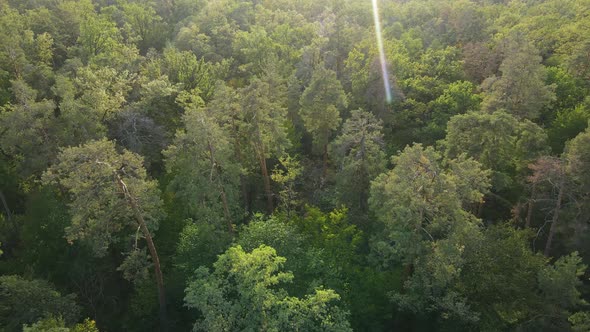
[(8, 213), (555, 219), (230, 227), (221, 189), (529, 213), (153, 252), (245, 194), (325, 167), (266, 180)]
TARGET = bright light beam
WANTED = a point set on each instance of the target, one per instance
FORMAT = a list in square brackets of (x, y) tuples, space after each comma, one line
[(384, 72)]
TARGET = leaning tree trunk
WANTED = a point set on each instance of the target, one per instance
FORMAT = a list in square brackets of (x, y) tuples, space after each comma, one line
[(554, 219), (152, 248)]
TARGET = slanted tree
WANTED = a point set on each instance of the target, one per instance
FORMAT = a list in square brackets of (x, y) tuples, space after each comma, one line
[(244, 293), (321, 104), (110, 195)]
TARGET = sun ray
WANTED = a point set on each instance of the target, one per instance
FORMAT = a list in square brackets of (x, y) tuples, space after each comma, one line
[(382, 58)]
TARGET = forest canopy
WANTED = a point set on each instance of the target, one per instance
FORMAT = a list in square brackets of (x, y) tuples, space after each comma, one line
[(279, 165)]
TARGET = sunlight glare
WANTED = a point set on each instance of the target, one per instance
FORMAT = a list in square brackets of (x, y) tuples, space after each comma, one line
[(384, 72)]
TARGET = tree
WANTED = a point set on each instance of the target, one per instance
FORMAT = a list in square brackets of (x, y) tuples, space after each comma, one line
[(521, 90), (31, 133), (100, 42), (108, 190), (144, 26), (205, 175), (457, 98), (321, 104), (193, 73), (199, 244), (420, 204), (568, 123), (578, 155), (359, 153), (420, 201), (102, 91), (255, 48), (499, 277), (514, 288), (243, 293), (577, 161), (498, 141), (263, 118), (25, 301), (286, 174), (550, 170), (278, 232)]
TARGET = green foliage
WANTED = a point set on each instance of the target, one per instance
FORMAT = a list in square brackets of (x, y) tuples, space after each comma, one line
[(521, 90), (419, 201), (243, 293), (143, 26), (25, 301), (321, 104), (498, 141), (205, 174), (58, 325), (226, 105), (578, 155), (289, 242), (185, 68), (263, 114), (359, 153), (31, 137), (559, 282), (499, 277), (286, 173), (580, 321), (199, 244), (99, 210), (567, 124)]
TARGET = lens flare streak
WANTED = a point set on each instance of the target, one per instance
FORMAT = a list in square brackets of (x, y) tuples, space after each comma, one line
[(382, 59)]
